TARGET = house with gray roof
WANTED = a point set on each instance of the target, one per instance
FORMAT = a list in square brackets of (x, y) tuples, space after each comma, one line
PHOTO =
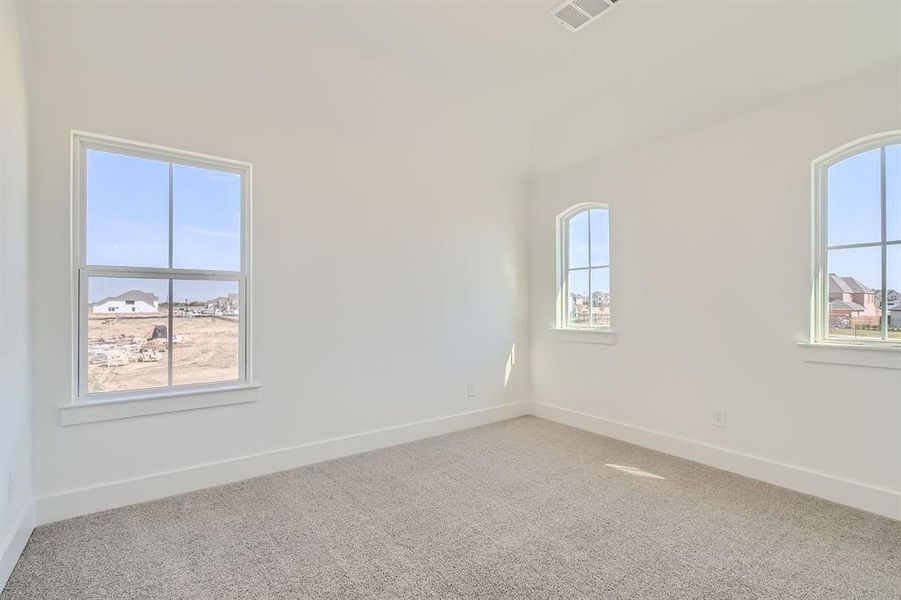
[(892, 297), (132, 301), (851, 302), (894, 314)]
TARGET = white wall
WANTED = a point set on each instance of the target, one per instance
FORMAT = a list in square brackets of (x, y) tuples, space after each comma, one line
[(398, 246), (382, 186), (715, 226), (15, 407)]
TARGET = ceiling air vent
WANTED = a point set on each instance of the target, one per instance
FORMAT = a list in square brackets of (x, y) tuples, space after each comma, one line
[(576, 14)]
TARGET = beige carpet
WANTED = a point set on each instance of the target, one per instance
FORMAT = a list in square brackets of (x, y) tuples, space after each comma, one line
[(520, 509)]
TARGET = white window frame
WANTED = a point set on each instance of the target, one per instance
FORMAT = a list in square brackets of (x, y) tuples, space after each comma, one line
[(81, 143), (819, 329), (563, 268)]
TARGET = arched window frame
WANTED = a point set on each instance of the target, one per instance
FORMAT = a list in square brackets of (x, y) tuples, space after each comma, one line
[(563, 268), (819, 329)]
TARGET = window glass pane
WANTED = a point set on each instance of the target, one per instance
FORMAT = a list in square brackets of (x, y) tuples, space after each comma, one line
[(893, 192), (600, 296), (205, 321), (578, 301), (127, 334), (854, 197), (578, 240), (127, 210), (207, 219), (600, 237), (893, 282), (855, 275)]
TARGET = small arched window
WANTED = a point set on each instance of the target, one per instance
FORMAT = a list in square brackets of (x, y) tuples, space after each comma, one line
[(857, 270), (584, 267)]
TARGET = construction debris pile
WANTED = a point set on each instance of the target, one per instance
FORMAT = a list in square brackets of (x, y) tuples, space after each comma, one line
[(120, 350)]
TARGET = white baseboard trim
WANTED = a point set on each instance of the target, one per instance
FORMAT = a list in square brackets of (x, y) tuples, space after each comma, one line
[(836, 489), (15, 542), (73, 503)]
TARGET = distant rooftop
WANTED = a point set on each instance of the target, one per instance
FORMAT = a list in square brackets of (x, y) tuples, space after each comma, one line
[(846, 305), (135, 295), (847, 285)]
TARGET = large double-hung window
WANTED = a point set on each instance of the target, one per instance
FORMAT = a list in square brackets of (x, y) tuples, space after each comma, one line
[(161, 270)]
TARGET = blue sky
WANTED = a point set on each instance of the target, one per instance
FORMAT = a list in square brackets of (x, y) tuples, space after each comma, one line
[(854, 216), (128, 223), (600, 251)]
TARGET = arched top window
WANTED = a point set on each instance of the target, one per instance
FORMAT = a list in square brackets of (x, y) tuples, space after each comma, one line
[(584, 267), (857, 270)]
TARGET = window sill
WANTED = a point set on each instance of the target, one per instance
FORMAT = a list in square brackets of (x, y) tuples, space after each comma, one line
[(583, 336), (886, 356), (156, 402)]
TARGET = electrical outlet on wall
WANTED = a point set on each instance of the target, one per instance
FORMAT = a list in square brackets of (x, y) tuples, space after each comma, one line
[(471, 389), (719, 417)]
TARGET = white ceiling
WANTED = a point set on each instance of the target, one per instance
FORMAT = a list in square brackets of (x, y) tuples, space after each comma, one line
[(647, 69)]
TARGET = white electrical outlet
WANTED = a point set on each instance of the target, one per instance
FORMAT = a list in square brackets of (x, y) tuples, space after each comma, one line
[(471, 389), (719, 417)]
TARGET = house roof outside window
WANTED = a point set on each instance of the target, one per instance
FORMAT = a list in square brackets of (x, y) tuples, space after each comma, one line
[(845, 305), (136, 295), (847, 285)]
